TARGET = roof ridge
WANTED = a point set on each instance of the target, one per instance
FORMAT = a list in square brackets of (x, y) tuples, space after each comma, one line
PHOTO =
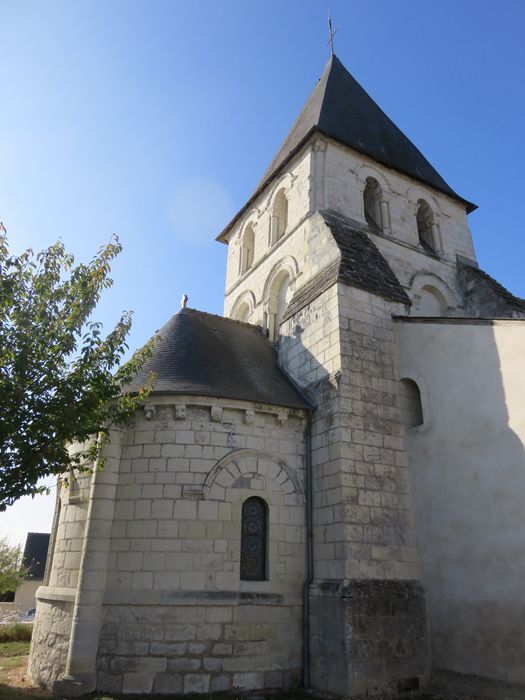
[(223, 318), (341, 109)]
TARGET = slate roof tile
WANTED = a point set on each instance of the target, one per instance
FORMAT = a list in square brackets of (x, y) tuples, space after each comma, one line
[(206, 355), (361, 265), (341, 109), (475, 278)]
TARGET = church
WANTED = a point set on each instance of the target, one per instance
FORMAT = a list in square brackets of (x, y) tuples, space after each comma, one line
[(326, 486)]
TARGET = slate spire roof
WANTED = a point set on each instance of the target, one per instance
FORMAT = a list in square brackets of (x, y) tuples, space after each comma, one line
[(341, 109), (206, 355)]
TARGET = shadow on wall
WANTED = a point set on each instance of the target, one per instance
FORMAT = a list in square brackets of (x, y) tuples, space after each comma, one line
[(468, 475)]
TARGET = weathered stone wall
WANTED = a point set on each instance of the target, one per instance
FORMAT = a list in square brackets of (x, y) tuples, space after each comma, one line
[(341, 349), (55, 599), (177, 617), (345, 180), (296, 183), (378, 513), (50, 641), (69, 538), (305, 250), (200, 643), (379, 644)]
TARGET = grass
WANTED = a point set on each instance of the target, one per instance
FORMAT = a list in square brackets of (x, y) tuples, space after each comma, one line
[(16, 632), (8, 649), (13, 663)]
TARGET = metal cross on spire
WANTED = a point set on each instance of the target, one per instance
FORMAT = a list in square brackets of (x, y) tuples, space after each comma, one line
[(332, 33)]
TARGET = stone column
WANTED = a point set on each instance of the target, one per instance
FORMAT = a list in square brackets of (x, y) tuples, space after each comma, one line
[(274, 229), (436, 237), (80, 676), (385, 217)]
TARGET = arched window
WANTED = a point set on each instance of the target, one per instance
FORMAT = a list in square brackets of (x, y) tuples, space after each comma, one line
[(243, 313), (247, 246), (431, 302), (426, 227), (254, 535), (277, 303), (279, 217), (372, 196), (411, 408)]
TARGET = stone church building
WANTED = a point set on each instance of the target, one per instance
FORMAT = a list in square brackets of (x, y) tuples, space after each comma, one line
[(326, 486)]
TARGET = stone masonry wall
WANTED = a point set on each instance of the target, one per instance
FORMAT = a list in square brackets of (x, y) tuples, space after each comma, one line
[(341, 350), (55, 601), (380, 645), (177, 617), (50, 641), (328, 175), (306, 249), (295, 182), (346, 173)]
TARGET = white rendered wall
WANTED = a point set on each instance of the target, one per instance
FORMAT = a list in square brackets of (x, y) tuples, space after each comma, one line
[(468, 476)]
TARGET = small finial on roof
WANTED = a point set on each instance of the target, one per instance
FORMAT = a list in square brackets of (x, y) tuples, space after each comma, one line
[(184, 301), (332, 33)]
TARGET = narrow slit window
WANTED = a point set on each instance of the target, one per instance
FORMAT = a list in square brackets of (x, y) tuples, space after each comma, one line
[(254, 539), (411, 407), (372, 203), (425, 227)]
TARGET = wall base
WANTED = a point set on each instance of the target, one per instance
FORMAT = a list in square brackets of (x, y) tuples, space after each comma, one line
[(368, 637), (448, 681), (69, 687)]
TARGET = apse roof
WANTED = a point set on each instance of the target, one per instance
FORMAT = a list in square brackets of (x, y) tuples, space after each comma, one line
[(206, 355), (341, 109)]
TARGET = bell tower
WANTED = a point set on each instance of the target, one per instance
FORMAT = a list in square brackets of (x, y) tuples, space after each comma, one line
[(349, 226)]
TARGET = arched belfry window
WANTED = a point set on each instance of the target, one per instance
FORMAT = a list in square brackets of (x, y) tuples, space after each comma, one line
[(247, 247), (278, 300), (426, 227), (372, 197), (279, 217), (254, 534)]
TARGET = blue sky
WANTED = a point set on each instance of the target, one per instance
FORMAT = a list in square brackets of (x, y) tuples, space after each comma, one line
[(156, 119)]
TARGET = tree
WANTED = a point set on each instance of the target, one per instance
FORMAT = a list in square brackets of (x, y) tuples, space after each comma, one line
[(61, 380), (12, 573)]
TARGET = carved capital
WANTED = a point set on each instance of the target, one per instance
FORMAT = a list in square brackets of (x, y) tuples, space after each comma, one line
[(216, 414), (180, 411), (150, 412)]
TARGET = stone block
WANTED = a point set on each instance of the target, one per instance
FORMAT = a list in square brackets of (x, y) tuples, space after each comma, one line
[(196, 683), (109, 682), (175, 632), (167, 650), (209, 632), (212, 664), (222, 649), (248, 681), (184, 664), (119, 664), (167, 683), (221, 683), (134, 683), (185, 510)]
